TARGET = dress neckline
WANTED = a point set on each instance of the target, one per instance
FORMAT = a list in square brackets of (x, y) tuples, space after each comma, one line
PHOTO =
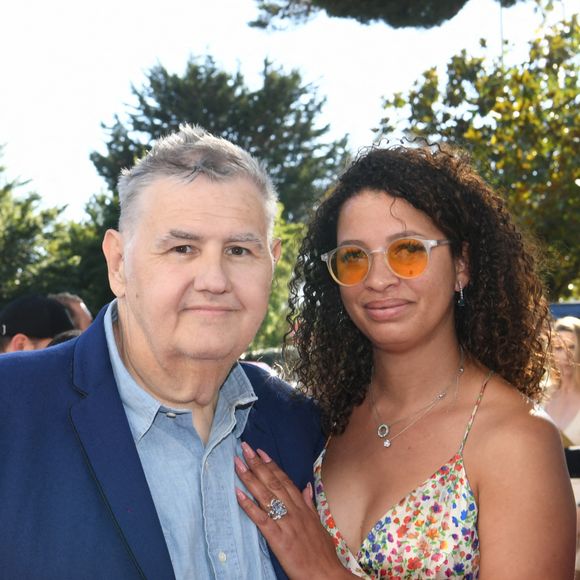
[(445, 468)]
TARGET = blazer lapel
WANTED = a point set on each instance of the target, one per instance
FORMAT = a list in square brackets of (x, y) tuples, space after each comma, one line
[(103, 430), (258, 434)]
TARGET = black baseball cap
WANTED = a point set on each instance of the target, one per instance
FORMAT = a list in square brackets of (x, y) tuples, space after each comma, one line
[(34, 315)]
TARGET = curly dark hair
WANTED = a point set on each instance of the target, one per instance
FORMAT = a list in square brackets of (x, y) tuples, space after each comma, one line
[(504, 321)]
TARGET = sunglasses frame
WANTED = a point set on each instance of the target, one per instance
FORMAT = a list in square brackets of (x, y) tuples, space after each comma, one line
[(427, 244)]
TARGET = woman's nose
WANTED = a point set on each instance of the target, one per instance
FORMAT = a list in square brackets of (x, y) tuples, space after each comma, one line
[(380, 275)]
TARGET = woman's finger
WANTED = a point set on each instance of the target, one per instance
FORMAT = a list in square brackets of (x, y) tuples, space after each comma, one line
[(308, 497), (259, 490), (262, 469), (267, 526), (268, 472), (291, 528), (279, 474), (300, 543)]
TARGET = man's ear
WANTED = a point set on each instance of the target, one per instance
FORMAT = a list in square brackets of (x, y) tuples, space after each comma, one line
[(113, 250), (462, 268), (276, 249)]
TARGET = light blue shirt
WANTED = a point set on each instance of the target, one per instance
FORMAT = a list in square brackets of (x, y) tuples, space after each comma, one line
[(192, 485)]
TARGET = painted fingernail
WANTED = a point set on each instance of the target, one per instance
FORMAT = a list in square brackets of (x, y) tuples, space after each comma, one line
[(240, 465), (248, 451), (240, 494), (265, 457)]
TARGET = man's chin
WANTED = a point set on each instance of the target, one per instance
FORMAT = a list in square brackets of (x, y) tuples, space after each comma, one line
[(208, 353)]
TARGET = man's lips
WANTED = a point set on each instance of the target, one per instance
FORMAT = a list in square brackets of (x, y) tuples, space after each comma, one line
[(211, 309)]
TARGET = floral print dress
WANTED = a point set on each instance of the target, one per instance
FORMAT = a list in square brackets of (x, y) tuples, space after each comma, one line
[(430, 533)]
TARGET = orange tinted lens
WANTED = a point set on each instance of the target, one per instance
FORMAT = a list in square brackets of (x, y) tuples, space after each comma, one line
[(350, 265), (407, 257)]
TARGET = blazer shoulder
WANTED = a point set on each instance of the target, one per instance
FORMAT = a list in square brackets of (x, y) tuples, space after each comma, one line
[(285, 423), (45, 363), (271, 390), (280, 404)]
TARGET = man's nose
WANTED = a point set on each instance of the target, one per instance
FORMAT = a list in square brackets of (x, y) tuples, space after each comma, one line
[(211, 274)]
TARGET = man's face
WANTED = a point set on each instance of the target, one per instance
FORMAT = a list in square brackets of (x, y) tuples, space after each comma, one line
[(193, 271)]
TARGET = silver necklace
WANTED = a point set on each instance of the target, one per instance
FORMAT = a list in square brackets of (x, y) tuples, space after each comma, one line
[(384, 429)]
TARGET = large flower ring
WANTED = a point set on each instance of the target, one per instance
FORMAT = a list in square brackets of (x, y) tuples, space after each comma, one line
[(277, 509)]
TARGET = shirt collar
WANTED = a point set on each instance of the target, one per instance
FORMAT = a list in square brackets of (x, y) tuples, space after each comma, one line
[(236, 396), (234, 401)]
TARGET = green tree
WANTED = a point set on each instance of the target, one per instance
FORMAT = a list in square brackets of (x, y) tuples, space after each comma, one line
[(276, 122), (395, 13), (275, 325), (26, 231), (81, 267), (521, 124)]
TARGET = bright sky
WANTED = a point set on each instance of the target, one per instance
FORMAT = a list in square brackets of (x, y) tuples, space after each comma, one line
[(67, 67)]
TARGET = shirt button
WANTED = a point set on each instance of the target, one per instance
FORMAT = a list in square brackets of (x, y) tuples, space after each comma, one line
[(222, 557), (170, 415)]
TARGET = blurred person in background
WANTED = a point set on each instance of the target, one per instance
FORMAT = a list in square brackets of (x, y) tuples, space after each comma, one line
[(31, 322), (77, 309), (65, 336), (564, 403)]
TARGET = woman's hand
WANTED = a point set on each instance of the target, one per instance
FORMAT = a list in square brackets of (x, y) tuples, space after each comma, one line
[(292, 528)]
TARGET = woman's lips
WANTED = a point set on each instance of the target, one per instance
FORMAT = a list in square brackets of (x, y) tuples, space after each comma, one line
[(385, 309)]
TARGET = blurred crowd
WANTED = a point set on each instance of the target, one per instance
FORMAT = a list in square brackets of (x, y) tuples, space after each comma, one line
[(35, 321)]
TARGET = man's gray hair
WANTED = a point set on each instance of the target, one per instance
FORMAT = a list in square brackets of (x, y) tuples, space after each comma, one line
[(184, 155)]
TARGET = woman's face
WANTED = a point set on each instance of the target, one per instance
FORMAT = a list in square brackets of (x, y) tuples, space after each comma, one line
[(396, 313), (565, 352)]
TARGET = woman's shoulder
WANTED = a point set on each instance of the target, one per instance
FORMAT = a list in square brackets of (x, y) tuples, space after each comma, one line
[(512, 430), (515, 462)]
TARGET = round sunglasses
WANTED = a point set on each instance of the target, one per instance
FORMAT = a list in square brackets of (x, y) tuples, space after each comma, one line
[(405, 257)]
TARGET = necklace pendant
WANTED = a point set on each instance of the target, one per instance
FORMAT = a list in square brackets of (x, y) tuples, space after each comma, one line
[(387, 443), (383, 430)]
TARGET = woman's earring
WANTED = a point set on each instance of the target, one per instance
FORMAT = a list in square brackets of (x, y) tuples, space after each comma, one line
[(461, 298)]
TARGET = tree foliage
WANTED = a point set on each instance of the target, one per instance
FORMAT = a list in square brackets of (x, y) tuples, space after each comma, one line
[(42, 252), (26, 231), (275, 324), (276, 122), (395, 13), (521, 123), (81, 267)]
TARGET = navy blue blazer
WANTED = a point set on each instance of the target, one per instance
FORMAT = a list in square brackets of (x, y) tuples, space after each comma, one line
[(74, 501)]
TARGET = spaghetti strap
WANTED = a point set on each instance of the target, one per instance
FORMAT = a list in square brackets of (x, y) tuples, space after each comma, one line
[(475, 408), (320, 458)]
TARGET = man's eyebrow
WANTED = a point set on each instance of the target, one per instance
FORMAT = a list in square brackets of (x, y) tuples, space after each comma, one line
[(246, 237), (180, 235), (183, 235)]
